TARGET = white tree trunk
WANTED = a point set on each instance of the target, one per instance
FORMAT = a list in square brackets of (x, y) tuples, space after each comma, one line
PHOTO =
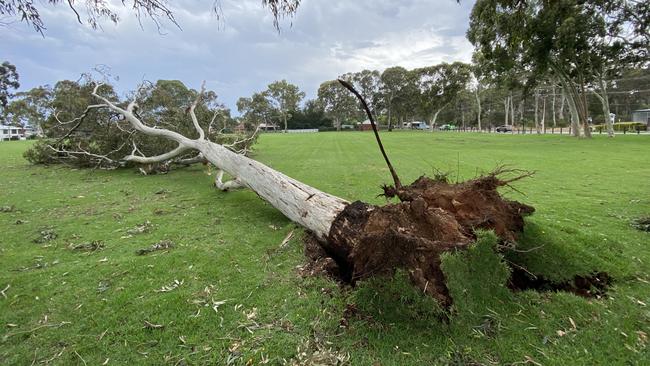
[(478, 105), (537, 112), (305, 205), (553, 107), (507, 108), (604, 100), (435, 118), (543, 121), (512, 110), (575, 121)]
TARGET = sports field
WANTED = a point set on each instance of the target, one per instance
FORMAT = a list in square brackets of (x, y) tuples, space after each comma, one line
[(227, 291)]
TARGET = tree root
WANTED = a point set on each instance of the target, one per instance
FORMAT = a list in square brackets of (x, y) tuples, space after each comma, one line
[(434, 217)]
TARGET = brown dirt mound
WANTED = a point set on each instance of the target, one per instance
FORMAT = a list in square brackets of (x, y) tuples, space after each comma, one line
[(433, 217)]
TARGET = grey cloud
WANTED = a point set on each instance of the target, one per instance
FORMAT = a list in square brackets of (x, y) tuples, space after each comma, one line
[(241, 53)]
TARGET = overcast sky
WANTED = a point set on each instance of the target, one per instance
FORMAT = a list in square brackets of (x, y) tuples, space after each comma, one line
[(242, 53)]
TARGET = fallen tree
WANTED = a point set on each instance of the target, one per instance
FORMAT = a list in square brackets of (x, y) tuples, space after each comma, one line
[(358, 240)]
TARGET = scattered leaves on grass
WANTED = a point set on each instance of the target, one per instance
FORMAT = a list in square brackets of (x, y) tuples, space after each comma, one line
[(103, 286), (161, 245), (204, 299), (145, 227), (3, 292), (286, 240), (317, 352), (162, 191), (87, 247), (45, 235), (150, 325), (171, 287), (7, 208), (642, 223), (160, 212)]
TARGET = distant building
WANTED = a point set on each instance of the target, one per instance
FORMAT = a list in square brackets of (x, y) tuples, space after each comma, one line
[(240, 128), (268, 127), (642, 116), (365, 125), (11, 133)]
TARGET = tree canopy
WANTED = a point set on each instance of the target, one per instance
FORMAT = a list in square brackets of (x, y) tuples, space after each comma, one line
[(8, 82)]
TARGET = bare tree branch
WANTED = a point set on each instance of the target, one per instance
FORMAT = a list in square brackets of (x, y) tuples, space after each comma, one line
[(79, 120), (158, 158), (195, 121)]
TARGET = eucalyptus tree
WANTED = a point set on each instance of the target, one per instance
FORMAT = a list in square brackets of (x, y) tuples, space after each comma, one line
[(570, 39), (8, 82), (394, 90), (337, 102), (256, 110), (31, 107), (369, 84), (283, 97), (439, 85)]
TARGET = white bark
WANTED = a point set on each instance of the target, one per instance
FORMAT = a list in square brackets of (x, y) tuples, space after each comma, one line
[(604, 100), (435, 117), (506, 103), (543, 121), (305, 205), (553, 107), (512, 110), (478, 105), (575, 122), (537, 111)]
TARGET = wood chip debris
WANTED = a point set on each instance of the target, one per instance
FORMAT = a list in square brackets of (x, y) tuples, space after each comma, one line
[(161, 245), (150, 325), (87, 247), (145, 227)]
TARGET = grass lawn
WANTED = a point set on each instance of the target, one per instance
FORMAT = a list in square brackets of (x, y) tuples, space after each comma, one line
[(229, 292)]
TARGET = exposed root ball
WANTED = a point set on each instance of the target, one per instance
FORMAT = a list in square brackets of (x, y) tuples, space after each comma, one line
[(433, 217)]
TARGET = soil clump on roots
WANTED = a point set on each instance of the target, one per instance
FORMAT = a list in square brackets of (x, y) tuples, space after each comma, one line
[(433, 217)]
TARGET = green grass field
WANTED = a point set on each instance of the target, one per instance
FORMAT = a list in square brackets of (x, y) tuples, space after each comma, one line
[(229, 293)]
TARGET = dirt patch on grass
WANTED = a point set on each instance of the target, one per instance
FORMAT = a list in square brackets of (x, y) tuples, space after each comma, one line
[(594, 285)]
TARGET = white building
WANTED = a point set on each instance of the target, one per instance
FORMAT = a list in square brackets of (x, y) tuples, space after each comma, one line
[(11, 133), (642, 116)]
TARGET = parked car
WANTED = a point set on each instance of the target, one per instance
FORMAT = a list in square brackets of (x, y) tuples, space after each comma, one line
[(504, 129), (419, 126), (447, 127)]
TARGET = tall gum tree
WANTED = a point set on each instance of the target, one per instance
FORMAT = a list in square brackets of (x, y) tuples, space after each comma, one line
[(569, 39), (439, 85)]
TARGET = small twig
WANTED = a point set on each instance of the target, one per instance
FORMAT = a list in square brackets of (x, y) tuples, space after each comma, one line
[(521, 268), (348, 86), (37, 328), (3, 291), (81, 358)]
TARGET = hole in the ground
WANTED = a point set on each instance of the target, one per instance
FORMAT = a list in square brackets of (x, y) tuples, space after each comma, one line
[(591, 286), (642, 223)]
